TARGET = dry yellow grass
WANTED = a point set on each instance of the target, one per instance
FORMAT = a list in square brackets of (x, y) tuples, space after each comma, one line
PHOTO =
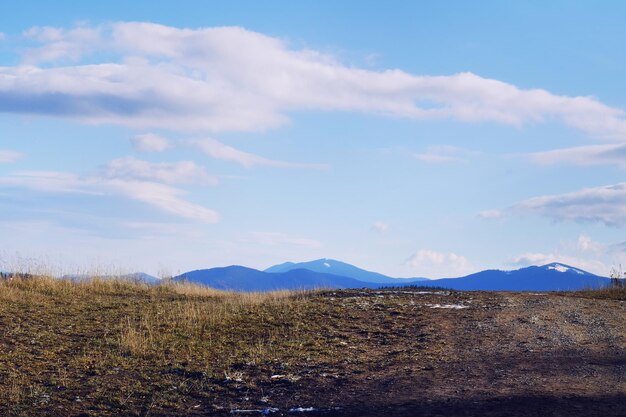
[(187, 310), (103, 326)]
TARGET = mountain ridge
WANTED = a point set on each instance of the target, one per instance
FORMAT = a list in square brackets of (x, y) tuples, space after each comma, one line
[(289, 275), (240, 278), (335, 267)]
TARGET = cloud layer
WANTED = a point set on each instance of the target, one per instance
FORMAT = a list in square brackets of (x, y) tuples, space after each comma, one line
[(605, 204), (149, 142), (185, 172), (428, 263), (280, 239), (147, 75), (8, 156), (610, 154), (161, 196)]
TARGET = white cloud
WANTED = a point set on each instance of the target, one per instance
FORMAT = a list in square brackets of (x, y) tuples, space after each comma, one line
[(380, 227), (280, 239), (185, 172), (429, 263), (232, 79), (161, 196), (61, 44), (149, 142), (605, 204), (611, 154), (8, 156), (218, 150)]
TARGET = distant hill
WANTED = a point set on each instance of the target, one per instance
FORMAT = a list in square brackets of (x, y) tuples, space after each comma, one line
[(240, 278), (332, 266), (550, 277), (134, 276)]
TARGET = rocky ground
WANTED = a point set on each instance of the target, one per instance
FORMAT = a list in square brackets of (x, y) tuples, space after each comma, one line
[(393, 352)]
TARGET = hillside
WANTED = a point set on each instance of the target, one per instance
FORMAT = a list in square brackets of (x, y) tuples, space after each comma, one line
[(115, 348)]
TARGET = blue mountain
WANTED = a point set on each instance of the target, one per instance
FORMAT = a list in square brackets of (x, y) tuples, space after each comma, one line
[(550, 277), (240, 278), (332, 266), (142, 277)]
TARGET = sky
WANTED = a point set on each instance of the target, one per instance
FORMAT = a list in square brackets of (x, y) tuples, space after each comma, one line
[(415, 139)]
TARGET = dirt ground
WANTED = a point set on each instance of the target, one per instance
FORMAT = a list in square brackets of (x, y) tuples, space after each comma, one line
[(396, 352), (504, 354), (471, 354)]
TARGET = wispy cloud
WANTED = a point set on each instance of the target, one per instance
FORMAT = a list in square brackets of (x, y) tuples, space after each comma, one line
[(611, 154), (280, 239), (61, 44), (380, 227), (491, 214), (443, 154), (185, 172), (149, 142), (8, 156), (218, 150), (618, 247), (586, 244), (232, 79), (215, 149), (429, 263), (2, 36), (605, 204), (161, 196)]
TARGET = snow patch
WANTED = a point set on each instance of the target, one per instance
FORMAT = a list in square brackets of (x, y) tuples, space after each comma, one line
[(448, 306), (326, 264), (302, 410), (563, 268), (264, 411), (559, 268)]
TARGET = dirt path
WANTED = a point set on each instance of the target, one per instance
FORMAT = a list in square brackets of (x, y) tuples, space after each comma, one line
[(500, 355)]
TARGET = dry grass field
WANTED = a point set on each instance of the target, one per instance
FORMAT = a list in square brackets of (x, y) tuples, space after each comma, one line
[(118, 348)]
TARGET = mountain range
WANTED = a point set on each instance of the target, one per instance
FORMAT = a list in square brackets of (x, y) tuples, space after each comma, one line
[(334, 267), (330, 273)]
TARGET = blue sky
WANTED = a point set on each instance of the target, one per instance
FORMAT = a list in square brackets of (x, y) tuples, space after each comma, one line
[(414, 139)]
